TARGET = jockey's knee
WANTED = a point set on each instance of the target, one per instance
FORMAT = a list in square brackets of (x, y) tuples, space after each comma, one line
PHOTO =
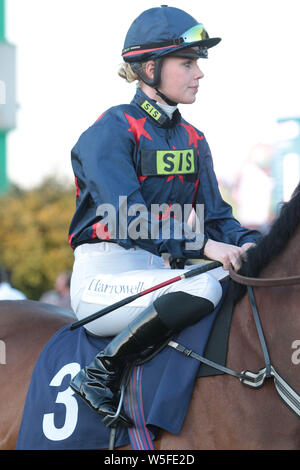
[(208, 287), (177, 310), (205, 285)]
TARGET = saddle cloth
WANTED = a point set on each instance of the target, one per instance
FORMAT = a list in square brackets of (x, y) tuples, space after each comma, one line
[(54, 418)]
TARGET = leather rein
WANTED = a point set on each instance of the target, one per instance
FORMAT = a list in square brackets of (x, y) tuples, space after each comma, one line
[(264, 282)]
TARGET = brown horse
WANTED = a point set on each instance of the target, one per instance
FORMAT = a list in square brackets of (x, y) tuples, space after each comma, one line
[(223, 413)]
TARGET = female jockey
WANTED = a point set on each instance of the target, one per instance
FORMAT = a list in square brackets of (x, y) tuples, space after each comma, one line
[(137, 169)]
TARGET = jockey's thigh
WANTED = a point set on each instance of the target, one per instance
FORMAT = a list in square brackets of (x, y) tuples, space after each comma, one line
[(105, 289)]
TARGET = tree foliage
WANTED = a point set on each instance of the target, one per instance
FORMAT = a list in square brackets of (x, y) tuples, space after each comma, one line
[(34, 235)]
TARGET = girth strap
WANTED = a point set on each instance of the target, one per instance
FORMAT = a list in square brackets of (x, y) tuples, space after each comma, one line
[(249, 378), (189, 353)]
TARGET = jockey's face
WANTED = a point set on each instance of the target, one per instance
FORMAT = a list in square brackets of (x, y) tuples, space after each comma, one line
[(180, 79)]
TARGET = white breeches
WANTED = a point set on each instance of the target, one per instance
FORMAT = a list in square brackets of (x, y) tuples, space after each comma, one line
[(105, 273)]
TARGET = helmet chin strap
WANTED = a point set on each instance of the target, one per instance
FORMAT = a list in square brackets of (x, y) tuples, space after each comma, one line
[(154, 83), (165, 98)]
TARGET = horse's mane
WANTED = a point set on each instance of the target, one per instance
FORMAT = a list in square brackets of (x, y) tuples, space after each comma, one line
[(272, 244)]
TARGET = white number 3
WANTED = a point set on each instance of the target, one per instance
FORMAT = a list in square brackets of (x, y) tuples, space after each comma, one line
[(66, 397)]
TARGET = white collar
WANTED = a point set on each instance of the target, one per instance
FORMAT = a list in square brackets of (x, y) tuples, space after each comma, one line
[(169, 110)]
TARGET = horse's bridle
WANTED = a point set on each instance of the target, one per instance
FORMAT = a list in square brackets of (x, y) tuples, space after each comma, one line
[(247, 377)]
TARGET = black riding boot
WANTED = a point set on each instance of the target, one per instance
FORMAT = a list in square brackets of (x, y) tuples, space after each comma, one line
[(98, 383)]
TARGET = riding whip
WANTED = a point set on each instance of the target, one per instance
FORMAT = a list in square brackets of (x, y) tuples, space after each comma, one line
[(127, 300)]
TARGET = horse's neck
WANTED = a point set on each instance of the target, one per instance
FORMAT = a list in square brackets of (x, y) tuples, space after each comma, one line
[(288, 262), (278, 308)]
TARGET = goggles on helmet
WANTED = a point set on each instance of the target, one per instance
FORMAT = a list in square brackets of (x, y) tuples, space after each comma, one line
[(196, 34)]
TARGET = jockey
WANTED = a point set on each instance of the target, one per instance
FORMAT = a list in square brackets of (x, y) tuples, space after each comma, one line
[(137, 169)]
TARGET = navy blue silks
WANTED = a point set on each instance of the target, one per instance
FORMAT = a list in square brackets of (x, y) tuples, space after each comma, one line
[(108, 162)]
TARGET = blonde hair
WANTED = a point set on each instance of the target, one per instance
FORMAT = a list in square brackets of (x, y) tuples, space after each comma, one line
[(126, 72)]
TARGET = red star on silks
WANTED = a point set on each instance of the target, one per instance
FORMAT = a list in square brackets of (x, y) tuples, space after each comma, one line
[(70, 240), (142, 178), (193, 136), (174, 176), (100, 117), (137, 128), (77, 187), (165, 214), (101, 231), (171, 177)]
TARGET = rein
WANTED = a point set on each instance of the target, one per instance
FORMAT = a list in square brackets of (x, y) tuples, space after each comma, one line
[(264, 282), (247, 377)]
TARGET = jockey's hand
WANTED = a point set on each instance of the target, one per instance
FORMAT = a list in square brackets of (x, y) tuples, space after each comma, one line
[(227, 254)]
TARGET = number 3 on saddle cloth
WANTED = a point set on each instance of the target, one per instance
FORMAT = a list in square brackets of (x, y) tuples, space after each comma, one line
[(157, 395)]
